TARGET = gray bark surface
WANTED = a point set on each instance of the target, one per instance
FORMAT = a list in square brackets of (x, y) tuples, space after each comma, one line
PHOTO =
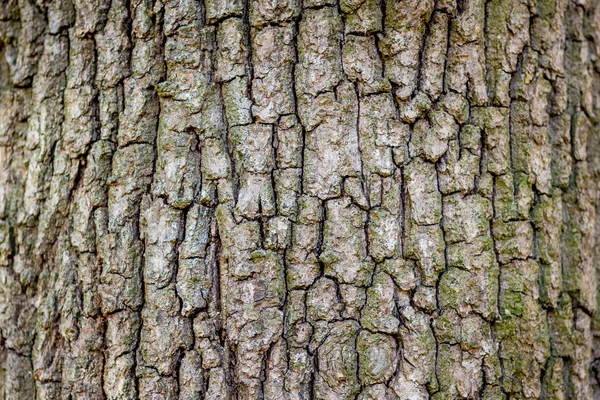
[(286, 199)]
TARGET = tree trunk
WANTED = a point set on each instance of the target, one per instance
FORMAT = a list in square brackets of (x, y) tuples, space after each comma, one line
[(286, 199)]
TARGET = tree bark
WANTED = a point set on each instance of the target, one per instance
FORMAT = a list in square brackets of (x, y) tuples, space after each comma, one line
[(286, 199)]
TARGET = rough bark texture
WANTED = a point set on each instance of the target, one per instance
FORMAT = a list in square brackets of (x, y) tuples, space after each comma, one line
[(285, 199)]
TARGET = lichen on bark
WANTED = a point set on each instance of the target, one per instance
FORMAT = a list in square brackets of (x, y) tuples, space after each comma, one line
[(296, 199)]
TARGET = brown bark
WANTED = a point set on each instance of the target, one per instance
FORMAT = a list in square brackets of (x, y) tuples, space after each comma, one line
[(285, 199)]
